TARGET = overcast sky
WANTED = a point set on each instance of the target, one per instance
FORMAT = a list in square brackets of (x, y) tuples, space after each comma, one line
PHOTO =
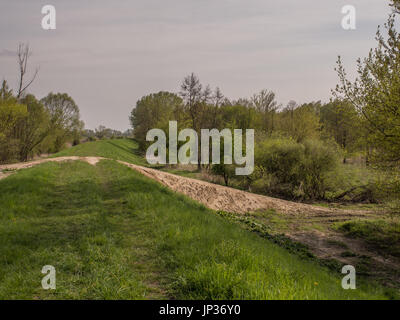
[(108, 54)]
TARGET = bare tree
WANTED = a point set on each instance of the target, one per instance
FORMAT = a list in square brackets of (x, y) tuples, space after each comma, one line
[(24, 53), (218, 97), (195, 99), (396, 6), (192, 94), (291, 106), (265, 102)]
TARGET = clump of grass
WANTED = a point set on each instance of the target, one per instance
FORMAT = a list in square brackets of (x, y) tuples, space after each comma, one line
[(382, 234)]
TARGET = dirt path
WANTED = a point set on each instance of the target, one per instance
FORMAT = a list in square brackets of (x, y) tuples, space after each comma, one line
[(223, 198), (25, 165), (213, 196), (300, 216)]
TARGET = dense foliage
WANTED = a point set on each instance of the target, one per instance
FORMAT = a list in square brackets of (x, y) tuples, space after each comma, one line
[(299, 147), (29, 126), (296, 145)]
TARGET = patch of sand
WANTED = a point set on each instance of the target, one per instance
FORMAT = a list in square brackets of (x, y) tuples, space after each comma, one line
[(223, 198), (24, 165)]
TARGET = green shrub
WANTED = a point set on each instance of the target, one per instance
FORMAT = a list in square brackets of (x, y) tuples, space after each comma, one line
[(227, 171), (320, 158), (292, 169), (260, 185), (360, 184)]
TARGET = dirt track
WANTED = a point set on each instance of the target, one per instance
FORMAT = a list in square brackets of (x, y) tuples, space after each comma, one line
[(213, 196), (227, 199), (223, 198)]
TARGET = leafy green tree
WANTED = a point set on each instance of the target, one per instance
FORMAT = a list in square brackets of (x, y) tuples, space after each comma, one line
[(33, 128), (238, 117), (64, 118), (6, 93), (375, 93), (29, 126), (341, 121), (77, 133), (226, 171), (154, 111), (11, 113), (300, 122), (101, 132)]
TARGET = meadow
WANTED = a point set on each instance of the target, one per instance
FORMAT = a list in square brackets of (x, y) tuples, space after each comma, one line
[(112, 233)]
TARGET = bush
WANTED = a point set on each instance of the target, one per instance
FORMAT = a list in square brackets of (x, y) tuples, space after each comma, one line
[(9, 150), (360, 184), (320, 159), (292, 169), (261, 184), (227, 171)]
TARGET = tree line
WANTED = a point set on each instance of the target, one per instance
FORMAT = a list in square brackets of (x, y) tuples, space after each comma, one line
[(102, 132), (198, 108), (31, 126), (309, 135), (298, 146)]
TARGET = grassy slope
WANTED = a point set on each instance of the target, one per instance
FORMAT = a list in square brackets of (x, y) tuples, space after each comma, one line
[(113, 233), (118, 149)]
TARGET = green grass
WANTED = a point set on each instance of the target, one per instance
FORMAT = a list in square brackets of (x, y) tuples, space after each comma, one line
[(381, 234), (112, 233), (50, 216), (118, 149), (182, 173)]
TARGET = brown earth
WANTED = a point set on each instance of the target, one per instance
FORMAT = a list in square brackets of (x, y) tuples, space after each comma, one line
[(223, 198)]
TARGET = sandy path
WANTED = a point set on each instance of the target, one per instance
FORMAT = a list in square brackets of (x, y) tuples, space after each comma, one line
[(219, 197), (223, 198), (24, 165), (213, 196)]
